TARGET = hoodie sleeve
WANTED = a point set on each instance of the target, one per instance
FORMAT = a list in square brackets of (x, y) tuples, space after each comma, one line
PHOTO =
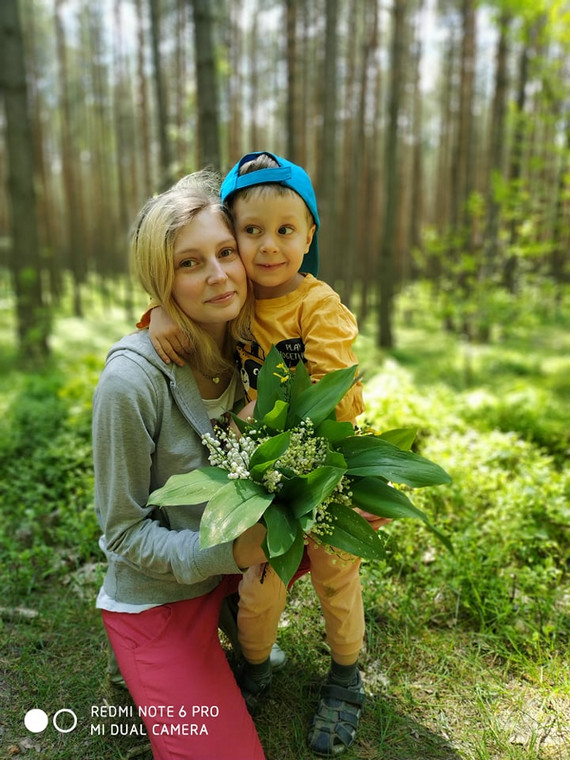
[(127, 417)]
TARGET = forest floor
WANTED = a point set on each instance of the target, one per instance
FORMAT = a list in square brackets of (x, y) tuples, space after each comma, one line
[(466, 655)]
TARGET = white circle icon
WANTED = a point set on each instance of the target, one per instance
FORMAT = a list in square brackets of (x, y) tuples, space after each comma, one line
[(36, 721), (59, 728)]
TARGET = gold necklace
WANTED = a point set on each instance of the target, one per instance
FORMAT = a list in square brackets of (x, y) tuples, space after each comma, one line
[(213, 378)]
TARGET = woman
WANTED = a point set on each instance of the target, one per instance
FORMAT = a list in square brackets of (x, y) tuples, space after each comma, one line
[(162, 594)]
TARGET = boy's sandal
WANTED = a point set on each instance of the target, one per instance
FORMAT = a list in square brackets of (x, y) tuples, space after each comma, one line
[(336, 719)]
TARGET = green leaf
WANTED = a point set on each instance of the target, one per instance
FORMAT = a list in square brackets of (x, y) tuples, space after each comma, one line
[(190, 487), (287, 564), (334, 431), (335, 459), (300, 382), (242, 425), (268, 452), (377, 497), (277, 417), (304, 492), (233, 509), (281, 529), (403, 438), (353, 534), (370, 455), (319, 400), (271, 384)]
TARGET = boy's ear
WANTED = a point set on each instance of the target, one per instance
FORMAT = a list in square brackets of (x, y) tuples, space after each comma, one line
[(310, 235)]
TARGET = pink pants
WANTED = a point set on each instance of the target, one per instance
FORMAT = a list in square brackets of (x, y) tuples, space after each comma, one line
[(177, 673)]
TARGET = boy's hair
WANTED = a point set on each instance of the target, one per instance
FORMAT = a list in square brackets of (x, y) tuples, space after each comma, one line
[(266, 172), (263, 161), (152, 260)]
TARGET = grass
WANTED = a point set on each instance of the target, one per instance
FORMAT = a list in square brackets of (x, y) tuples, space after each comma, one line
[(465, 656)]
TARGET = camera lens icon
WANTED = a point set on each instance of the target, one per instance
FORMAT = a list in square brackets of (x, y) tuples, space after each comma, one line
[(36, 721)]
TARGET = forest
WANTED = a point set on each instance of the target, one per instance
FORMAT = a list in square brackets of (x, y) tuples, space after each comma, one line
[(437, 136)]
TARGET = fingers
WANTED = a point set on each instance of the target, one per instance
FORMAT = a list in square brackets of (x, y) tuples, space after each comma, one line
[(167, 351)]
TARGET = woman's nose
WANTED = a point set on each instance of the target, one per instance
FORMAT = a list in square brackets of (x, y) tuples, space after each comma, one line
[(216, 271)]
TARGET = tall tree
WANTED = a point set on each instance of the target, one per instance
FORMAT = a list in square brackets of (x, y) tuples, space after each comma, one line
[(461, 171), (33, 323), (161, 101), (207, 85), (497, 149), (143, 103), (327, 153), (391, 154), (292, 117), (74, 245)]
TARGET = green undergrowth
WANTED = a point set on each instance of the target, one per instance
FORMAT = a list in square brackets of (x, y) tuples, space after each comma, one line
[(466, 653)]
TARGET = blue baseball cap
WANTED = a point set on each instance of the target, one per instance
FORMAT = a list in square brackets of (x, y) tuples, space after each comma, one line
[(287, 174)]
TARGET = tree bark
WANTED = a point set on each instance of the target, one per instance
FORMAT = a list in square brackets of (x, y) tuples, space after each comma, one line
[(161, 102), (386, 270), (207, 84), (32, 315), (327, 158)]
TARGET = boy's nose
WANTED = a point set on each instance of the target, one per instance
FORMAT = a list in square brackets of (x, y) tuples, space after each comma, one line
[(268, 244)]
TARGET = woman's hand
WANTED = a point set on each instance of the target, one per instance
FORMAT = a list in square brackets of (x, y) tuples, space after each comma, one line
[(169, 341), (244, 414), (247, 547)]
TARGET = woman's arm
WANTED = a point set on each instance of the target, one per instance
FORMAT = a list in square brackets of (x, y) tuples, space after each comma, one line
[(126, 427)]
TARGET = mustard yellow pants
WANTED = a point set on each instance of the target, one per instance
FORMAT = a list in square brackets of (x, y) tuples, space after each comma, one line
[(337, 585)]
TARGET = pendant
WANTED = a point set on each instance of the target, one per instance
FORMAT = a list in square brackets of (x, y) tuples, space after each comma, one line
[(216, 379)]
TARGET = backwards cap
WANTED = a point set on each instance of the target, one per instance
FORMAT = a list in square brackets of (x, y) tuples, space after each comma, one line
[(287, 174)]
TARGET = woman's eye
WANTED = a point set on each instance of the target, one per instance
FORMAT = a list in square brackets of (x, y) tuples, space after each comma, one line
[(227, 253), (188, 263)]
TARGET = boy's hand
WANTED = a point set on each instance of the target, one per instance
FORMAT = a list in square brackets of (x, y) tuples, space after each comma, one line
[(169, 342)]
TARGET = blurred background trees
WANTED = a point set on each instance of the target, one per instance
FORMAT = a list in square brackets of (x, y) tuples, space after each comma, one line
[(437, 133)]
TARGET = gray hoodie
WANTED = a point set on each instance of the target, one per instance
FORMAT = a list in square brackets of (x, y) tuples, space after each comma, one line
[(148, 420)]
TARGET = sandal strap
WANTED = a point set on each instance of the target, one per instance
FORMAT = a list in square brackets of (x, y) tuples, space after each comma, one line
[(336, 719), (334, 691)]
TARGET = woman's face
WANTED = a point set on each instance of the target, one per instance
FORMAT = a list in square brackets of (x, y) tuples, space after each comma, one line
[(210, 284)]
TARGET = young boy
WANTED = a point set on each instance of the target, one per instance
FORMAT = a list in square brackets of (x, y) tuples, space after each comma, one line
[(276, 220)]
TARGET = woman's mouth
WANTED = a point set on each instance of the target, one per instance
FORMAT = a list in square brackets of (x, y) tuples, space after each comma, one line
[(222, 298)]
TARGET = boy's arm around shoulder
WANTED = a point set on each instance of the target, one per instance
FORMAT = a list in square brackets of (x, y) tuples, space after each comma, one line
[(168, 340)]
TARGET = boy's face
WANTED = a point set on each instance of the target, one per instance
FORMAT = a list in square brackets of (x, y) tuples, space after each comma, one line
[(273, 233)]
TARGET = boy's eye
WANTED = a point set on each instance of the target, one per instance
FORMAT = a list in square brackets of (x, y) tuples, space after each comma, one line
[(286, 229), (251, 229)]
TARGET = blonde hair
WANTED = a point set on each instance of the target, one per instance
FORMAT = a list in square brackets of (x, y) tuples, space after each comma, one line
[(152, 260)]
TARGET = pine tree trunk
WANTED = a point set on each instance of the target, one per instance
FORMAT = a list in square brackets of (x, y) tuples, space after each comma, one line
[(207, 84), (386, 273), (32, 316)]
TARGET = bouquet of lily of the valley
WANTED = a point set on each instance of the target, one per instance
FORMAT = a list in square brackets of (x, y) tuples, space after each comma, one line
[(302, 472)]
